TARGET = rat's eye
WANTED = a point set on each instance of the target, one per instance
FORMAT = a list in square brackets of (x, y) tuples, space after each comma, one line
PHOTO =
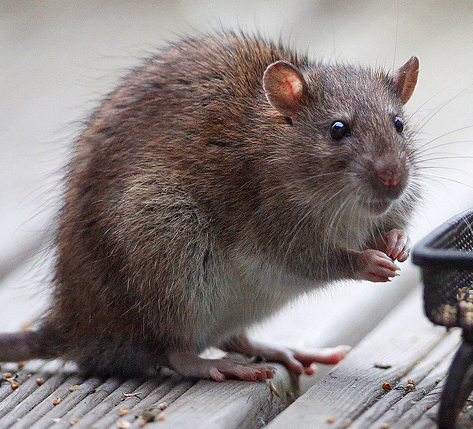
[(338, 130), (399, 124)]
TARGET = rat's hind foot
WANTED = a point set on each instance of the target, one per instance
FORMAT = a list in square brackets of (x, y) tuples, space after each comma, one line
[(297, 361), (190, 364)]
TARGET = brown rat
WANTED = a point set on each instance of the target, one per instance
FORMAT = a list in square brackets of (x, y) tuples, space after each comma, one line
[(224, 177)]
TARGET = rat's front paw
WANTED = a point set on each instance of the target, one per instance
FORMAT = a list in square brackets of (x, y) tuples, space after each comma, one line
[(396, 244), (375, 266)]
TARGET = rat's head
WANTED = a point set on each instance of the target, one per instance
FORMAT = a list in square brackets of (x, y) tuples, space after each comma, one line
[(349, 122)]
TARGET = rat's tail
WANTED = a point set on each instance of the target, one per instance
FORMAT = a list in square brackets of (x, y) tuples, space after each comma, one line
[(26, 345)]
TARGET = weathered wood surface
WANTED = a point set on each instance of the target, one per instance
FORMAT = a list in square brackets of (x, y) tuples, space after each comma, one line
[(96, 403), (405, 352)]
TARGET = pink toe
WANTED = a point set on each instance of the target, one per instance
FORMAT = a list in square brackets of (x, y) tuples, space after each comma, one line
[(216, 375)]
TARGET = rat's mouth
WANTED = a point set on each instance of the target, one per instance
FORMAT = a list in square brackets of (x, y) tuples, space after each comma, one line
[(376, 206)]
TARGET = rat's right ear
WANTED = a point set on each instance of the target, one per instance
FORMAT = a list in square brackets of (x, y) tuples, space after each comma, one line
[(285, 87)]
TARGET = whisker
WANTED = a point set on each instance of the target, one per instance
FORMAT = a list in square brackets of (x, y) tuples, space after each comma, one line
[(442, 106), (448, 179), (421, 161), (445, 135), (426, 102), (427, 149)]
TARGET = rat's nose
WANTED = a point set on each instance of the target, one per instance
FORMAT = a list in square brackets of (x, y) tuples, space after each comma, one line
[(389, 176)]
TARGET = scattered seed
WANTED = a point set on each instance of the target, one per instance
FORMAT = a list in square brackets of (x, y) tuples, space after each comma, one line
[(330, 419), (122, 424), (147, 417), (74, 388), (130, 395), (413, 402), (347, 423), (40, 381), (74, 421), (387, 387), (163, 405), (382, 366), (446, 314), (123, 412), (56, 401), (461, 293), (411, 381), (273, 389), (15, 385), (21, 365), (384, 426), (161, 417), (428, 407), (7, 375)]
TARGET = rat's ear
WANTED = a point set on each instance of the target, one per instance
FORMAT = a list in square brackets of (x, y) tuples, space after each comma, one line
[(405, 79), (285, 87)]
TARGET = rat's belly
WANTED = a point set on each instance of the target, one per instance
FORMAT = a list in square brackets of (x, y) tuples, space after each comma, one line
[(250, 290)]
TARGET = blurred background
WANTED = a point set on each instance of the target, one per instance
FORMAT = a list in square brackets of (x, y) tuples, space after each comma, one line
[(58, 56)]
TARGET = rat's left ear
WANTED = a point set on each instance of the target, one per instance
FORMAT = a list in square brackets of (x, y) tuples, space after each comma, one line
[(405, 79), (285, 87)]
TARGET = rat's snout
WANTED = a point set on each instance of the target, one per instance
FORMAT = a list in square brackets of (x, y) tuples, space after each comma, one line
[(389, 177), (385, 178)]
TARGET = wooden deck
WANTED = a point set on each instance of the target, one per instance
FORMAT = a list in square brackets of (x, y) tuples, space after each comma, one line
[(55, 57)]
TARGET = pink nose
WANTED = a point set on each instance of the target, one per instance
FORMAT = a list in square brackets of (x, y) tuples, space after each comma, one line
[(389, 178)]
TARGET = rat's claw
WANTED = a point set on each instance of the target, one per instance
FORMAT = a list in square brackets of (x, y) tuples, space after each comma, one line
[(328, 356), (375, 266), (396, 244)]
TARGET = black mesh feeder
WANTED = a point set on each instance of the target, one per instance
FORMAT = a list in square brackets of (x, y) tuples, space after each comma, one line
[(446, 259)]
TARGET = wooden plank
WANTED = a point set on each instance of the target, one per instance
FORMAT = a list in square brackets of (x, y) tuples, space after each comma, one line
[(403, 339), (129, 397), (97, 404), (407, 404), (233, 404), (16, 403)]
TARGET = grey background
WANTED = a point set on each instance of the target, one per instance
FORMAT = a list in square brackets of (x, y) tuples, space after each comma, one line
[(58, 56)]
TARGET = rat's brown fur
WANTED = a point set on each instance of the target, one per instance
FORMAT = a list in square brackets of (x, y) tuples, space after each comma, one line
[(187, 183)]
